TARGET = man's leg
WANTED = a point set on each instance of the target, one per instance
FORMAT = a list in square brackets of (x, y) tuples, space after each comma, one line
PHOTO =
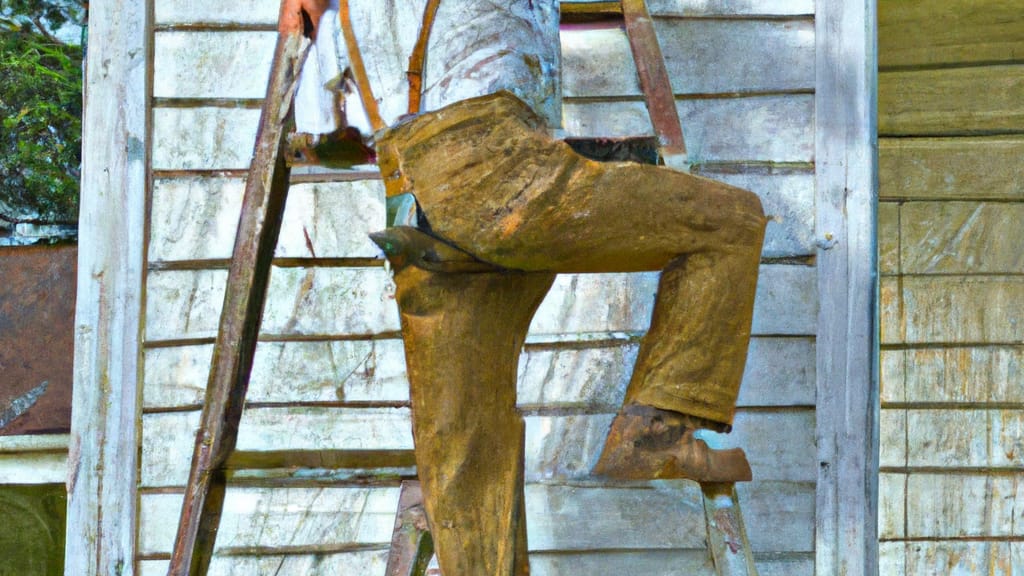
[(513, 197), (463, 333)]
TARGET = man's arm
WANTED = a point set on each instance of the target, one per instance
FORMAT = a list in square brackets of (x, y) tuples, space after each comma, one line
[(301, 16)]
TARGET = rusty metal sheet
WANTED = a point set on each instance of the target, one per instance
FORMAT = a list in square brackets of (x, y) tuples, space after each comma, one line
[(37, 315)]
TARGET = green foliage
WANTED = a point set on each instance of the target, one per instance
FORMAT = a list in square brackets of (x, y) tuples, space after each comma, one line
[(40, 111)]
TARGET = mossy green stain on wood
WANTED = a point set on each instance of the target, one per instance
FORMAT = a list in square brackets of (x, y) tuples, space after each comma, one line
[(32, 541)]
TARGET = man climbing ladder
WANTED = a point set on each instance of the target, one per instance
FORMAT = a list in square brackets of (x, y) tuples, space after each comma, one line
[(494, 208), (488, 180)]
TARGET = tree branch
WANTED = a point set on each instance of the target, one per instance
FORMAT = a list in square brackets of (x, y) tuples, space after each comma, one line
[(42, 30)]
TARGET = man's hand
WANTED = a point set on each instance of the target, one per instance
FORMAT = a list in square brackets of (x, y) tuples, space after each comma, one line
[(301, 17)]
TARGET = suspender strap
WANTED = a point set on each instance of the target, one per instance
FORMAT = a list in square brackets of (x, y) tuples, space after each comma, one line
[(654, 81), (355, 59), (419, 53)]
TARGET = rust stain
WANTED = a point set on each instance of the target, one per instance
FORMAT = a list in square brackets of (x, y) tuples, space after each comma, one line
[(724, 522), (37, 312)]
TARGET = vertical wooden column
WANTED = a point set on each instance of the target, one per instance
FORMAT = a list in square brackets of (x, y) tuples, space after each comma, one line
[(846, 196), (103, 459)]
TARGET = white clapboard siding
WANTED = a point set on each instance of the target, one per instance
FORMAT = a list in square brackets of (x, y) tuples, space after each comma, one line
[(362, 563), (216, 12), (755, 128), (961, 505), (168, 438), (693, 562), (967, 309), (558, 447), (559, 517), (195, 218), (212, 64), (728, 7), (203, 138), (953, 375), (779, 445), (283, 517), (187, 304), (357, 301), (700, 58), (779, 57), (775, 128), (788, 202), (33, 459), (779, 372), (265, 11)]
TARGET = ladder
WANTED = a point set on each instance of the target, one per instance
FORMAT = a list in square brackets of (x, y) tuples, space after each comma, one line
[(259, 225)]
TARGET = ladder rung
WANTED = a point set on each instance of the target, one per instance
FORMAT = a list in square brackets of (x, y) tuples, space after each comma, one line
[(580, 12), (260, 460)]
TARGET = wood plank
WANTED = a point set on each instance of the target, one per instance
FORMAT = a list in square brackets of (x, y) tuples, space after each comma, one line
[(322, 371), (368, 563), (355, 301), (961, 438), (958, 375), (951, 557), (212, 64), (658, 563), (779, 372), (893, 437), (187, 303), (892, 557), (846, 540), (778, 444), (950, 438), (888, 238), (976, 168), (953, 309), (757, 128), (205, 138), (200, 11), (893, 376), (102, 461), (280, 518), (923, 33), (726, 7), (778, 515), (892, 492), (597, 563), (700, 57), (958, 505), (788, 201), (561, 518), (166, 451), (942, 102), (195, 218), (962, 238), (33, 468)]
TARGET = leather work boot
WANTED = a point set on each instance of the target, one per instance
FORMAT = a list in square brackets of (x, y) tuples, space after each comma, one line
[(646, 443)]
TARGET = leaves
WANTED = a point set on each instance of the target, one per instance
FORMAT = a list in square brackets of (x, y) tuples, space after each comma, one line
[(40, 115)]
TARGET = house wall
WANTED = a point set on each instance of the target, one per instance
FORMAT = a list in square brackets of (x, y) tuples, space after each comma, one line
[(329, 381), (951, 119)]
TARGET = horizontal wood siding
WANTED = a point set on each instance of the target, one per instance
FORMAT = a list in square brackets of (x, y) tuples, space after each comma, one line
[(329, 375), (952, 103)]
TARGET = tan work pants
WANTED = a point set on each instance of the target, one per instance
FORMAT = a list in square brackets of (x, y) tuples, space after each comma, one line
[(490, 181)]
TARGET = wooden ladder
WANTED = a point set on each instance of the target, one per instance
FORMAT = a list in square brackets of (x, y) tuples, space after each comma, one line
[(263, 204)]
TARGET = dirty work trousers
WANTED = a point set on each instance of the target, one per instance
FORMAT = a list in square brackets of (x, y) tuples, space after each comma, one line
[(490, 181)]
